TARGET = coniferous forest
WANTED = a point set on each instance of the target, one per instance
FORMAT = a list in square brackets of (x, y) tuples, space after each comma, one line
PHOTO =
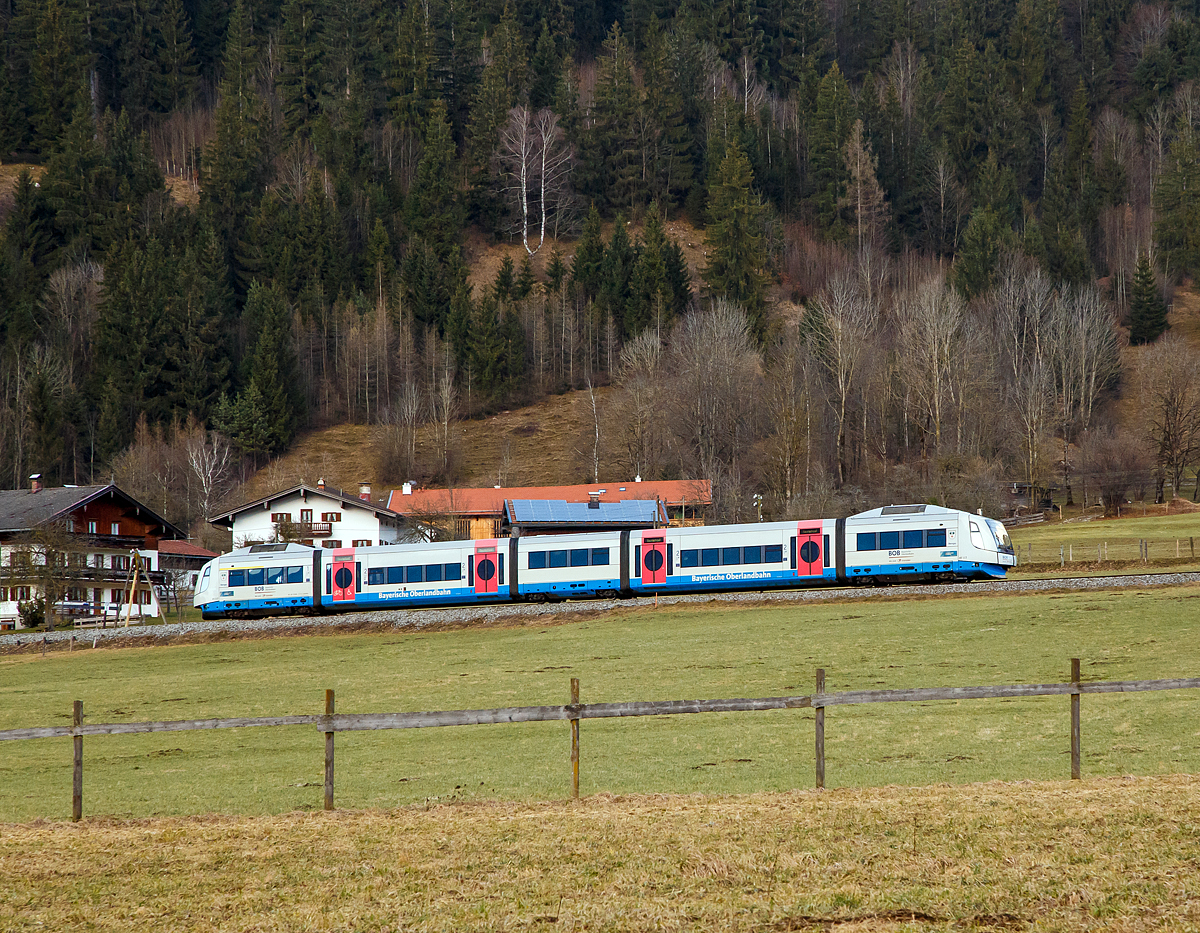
[(931, 232)]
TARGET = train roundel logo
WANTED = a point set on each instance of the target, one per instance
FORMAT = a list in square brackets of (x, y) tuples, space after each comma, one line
[(810, 552), (486, 569), (653, 561), (343, 578)]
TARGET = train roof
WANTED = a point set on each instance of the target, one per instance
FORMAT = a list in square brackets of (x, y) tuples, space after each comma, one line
[(902, 512)]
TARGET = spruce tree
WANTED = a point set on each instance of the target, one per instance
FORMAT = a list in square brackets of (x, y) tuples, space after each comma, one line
[(827, 141), (300, 67), (58, 69), (433, 211), (1177, 208), (587, 263), (734, 238), (1147, 310)]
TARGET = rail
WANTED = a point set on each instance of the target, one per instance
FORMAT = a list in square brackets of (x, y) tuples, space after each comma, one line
[(330, 722)]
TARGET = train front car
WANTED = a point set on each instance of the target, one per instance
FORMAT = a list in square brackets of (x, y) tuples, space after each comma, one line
[(260, 580), (915, 543)]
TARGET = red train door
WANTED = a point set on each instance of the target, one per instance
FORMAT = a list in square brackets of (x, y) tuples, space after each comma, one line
[(487, 571), (808, 541), (342, 572), (654, 560)]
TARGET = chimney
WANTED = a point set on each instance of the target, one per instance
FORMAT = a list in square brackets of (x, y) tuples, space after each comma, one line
[(364, 491), (35, 482), (321, 483), (593, 500), (406, 489), (638, 478)]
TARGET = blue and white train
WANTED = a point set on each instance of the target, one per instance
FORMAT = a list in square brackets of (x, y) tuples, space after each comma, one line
[(894, 544)]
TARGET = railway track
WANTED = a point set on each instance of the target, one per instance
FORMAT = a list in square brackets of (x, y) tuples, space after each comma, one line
[(485, 614)]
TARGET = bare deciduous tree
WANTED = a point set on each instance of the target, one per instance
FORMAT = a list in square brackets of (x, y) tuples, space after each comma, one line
[(536, 162), (640, 378), (1168, 392)]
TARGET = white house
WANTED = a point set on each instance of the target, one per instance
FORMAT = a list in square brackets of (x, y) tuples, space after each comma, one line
[(91, 533), (313, 515)]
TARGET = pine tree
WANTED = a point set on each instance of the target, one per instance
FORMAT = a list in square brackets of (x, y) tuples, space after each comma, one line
[(79, 186), (412, 77), (734, 238), (300, 66), (433, 211), (1177, 208), (1147, 310), (986, 236), (864, 197), (586, 266), (546, 69), (613, 146), (176, 70), (273, 375), (616, 270), (59, 70), (827, 142)]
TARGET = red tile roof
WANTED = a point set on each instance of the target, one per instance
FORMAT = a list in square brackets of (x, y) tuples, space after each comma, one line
[(185, 549), (490, 501)]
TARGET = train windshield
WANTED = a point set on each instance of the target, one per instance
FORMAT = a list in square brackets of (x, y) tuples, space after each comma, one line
[(1001, 534)]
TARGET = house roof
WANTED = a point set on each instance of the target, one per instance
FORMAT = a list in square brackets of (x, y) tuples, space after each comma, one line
[(226, 519), (23, 509), (490, 501), (556, 512), (185, 549)]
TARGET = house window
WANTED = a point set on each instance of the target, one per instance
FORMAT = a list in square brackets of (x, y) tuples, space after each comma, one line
[(98, 561), (278, 517), (71, 525), (331, 543), (91, 528), (331, 516), (306, 516), (116, 528), (120, 562), (20, 593), (118, 596), (361, 542), (3, 594)]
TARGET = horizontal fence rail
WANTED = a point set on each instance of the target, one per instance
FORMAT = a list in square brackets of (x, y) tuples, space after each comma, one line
[(330, 723)]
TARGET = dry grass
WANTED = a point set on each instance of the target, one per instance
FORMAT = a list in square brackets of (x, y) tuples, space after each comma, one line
[(1115, 854)]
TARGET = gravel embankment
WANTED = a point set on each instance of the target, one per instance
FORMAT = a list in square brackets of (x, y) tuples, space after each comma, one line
[(486, 615)]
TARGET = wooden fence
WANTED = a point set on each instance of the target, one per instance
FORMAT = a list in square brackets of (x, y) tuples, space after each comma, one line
[(330, 722)]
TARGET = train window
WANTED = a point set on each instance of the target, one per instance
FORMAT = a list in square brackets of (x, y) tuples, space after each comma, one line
[(866, 541), (454, 571), (537, 560), (826, 563), (558, 558), (710, 557), (579, 557), (913, 538), (773, 554), (376, 576), (237, 578), (752, 555), (889, 540), (599, 557), (256, 576), (500, 565), (433, 573), (395, 575), (295, 575), (414, 574), (689, 558), (275, 575), (935, 537), (204, 578), (731, 555)]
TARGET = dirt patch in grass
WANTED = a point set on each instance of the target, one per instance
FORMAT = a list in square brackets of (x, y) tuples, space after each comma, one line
[(1102, 854)]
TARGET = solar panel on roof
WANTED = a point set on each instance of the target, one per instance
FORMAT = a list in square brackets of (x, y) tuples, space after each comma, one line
[(556, 511), (902, 509)]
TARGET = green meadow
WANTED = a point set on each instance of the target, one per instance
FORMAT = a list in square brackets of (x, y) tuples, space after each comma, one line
[(1118, 539), (676, 652)]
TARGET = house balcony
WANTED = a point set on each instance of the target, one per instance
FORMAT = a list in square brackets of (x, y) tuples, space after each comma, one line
[(314, 529)]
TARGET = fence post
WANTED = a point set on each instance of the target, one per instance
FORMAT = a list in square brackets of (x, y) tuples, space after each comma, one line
[(77, 773), (329, 752), (820, 731), (575, 740), (1076, 767)]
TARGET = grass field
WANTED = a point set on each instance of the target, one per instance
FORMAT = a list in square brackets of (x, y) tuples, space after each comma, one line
[(1105, 854), (674, 653), (1170, 538)]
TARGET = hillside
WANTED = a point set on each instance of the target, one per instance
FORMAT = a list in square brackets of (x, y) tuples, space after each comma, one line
[(547, 443)]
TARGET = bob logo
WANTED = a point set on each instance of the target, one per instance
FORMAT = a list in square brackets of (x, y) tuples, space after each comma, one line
[(893, 553)]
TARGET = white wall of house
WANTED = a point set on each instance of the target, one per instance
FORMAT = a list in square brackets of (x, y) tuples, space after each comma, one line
[(105, 595), (335, 523)]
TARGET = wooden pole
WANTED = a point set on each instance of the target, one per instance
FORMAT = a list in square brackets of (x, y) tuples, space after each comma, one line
[(820, 730), (329, 753), (575, 741), (77, 774), (1076, 765)]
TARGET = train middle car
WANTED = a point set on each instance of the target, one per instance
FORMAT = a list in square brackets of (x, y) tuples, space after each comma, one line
[(895, 544)]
